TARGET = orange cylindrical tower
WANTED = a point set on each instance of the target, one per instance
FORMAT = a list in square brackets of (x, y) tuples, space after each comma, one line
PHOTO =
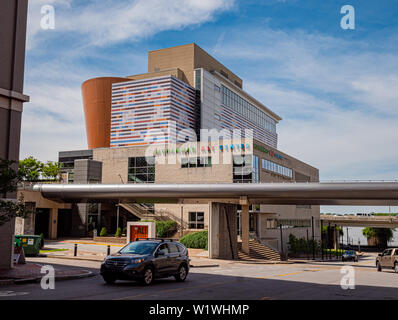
[(97, 100)]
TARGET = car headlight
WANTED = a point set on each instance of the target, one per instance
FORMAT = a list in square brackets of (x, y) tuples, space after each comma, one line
[(135, 261)]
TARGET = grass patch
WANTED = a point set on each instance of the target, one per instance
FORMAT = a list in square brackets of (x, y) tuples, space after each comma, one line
[(52, 250)]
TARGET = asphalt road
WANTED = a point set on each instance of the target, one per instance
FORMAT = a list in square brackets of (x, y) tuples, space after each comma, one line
[(233, 281)]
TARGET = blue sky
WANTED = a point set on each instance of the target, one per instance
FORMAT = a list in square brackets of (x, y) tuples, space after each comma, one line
[(336, 90)]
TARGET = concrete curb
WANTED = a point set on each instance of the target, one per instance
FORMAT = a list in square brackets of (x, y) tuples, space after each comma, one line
[(265, 262), (205, 266), (74, 258), (313, 261), (85, 274)]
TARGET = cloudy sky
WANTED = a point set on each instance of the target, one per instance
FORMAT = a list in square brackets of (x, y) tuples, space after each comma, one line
[(336, 90)]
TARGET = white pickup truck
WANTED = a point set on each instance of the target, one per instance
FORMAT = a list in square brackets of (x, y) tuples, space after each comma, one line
[(388, 259)]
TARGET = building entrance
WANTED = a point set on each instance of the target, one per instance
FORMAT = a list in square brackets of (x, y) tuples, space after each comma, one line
[(42, 222)]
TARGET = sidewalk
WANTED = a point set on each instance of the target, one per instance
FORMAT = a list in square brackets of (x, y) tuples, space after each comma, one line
[(194, 254), (30, 272)]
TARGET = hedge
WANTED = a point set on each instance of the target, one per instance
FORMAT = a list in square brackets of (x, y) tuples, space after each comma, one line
[(118, 233), (103, 232), (165, 229), (196, 240)]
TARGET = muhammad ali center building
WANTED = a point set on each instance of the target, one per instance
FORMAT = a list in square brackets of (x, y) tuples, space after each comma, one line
[(188, 120)]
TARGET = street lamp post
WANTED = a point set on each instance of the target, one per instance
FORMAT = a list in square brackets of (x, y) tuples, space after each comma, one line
[(118, 207)]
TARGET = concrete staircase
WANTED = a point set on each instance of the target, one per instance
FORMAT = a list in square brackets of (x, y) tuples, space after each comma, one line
[(140, 212), (258, 251)]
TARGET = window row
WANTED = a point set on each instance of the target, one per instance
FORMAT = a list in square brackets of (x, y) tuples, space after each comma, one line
[(197, 162), (277, 168), (248, 110)]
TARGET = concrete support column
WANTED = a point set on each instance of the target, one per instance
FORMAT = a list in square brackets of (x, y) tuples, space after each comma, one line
[(223, 231), (53, 224), (245, 223)]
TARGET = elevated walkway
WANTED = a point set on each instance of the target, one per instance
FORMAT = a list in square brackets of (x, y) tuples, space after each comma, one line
[(357, 221)]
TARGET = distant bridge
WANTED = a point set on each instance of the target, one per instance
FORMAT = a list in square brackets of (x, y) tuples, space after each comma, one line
[(357, 221)]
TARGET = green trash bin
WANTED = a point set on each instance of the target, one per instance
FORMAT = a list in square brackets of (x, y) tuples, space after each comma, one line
[(30, 244)]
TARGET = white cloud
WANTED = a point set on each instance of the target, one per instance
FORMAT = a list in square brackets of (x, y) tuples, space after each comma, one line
[(102, 22), (337, 98), (53, 121)]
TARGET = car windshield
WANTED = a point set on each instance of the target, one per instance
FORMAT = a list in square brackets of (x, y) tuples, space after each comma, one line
[(139, 247)]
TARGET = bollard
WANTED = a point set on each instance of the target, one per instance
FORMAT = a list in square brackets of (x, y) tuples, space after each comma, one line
[(75, 252), (109, 250)]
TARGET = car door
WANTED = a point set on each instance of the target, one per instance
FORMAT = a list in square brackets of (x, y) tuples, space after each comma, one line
[(174, 257), (162, 261), (386, 258)]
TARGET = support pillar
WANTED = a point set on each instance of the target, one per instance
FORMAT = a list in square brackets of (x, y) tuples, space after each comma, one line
[(53, 224), (223, 231), (245, 223)]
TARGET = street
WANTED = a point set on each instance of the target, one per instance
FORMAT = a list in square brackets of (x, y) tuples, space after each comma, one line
[(312, 281)]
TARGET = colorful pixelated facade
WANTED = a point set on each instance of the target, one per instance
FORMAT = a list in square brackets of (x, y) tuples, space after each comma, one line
[(152, 111)]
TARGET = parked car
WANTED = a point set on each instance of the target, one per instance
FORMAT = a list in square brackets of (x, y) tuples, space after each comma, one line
[(350, 255), (387, 259), (146, 259)]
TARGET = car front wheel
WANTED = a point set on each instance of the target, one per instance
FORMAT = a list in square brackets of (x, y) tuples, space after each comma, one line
[(109, 279), (182, 273), (396, 267), (378, 267), (148, 277)]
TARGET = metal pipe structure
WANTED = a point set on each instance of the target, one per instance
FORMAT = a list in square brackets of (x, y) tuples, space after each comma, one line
[(361, 193)]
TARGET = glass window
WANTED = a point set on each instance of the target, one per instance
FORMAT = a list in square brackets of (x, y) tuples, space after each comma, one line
[(163, 248), (138, 247), (196, 220), (198, 162), (173, 248), (277, 168), (141, 170)]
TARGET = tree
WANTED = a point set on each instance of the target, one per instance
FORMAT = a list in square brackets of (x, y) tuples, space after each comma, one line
[(8, 177), (378, 236), (30, 169), (51, 170), (8, 183)]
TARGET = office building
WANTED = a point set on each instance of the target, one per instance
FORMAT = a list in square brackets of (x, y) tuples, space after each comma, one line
[(189, 120), (13, 15)]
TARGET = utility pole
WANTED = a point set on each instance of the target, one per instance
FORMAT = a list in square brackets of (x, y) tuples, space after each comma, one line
[(321, 238), (182, 221), (313, 238), (118, 207), (280, 228)]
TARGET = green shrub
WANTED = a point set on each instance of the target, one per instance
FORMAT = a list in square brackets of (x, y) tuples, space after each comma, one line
[(103, 232), (297, 246), (42, 240), (118, 233), (165, 229), (196, 240)]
